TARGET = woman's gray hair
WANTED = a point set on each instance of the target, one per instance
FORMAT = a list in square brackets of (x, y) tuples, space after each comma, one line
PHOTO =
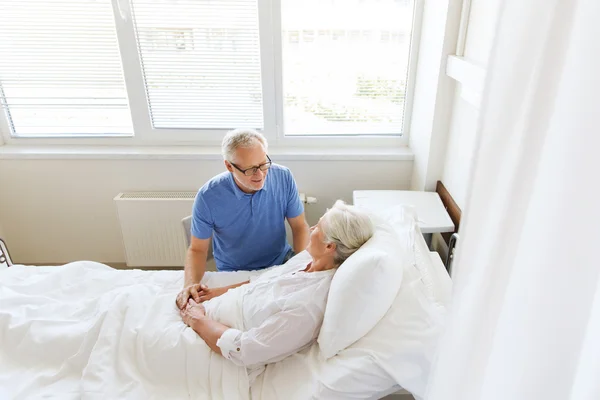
[(346, 226), (241, 138)]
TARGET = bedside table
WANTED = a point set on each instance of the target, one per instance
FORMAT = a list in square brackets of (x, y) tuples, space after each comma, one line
[(430, 209)]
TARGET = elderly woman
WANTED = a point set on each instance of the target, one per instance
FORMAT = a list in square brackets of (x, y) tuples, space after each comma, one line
[(283, 309)]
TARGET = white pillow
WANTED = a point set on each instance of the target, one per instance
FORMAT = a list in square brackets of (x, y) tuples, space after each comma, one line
[(434, 276), (363, 289), (400, 348)]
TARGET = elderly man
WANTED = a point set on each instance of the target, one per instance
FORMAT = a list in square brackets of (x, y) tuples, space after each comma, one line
[(244, 211)]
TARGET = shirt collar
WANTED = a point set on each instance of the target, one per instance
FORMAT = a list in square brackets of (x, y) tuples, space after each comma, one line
[(239, 193), (316, 273)]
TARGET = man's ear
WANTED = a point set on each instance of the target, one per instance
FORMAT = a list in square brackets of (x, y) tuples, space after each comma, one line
[(228, 166)]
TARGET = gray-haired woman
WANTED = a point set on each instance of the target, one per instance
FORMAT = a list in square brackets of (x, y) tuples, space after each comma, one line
[(283, 308)]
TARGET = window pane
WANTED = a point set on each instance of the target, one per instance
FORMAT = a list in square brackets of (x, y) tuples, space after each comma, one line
[(201, 62), (345, 66), (60, 69)]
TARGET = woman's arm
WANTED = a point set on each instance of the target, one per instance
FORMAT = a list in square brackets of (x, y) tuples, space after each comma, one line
[(209, 330), (207, 293), (280, 335)]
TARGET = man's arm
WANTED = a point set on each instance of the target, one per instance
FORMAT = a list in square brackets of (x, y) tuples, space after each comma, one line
[(195, 266), (195, 261), (300, 232)]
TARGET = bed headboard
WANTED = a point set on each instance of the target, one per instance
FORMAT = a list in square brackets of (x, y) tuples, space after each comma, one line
[(451, 207), (455, 214)]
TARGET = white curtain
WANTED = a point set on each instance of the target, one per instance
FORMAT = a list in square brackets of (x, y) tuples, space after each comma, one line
[(525, 322)]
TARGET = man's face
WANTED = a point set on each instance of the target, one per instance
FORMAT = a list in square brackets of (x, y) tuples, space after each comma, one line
[(244, 158)]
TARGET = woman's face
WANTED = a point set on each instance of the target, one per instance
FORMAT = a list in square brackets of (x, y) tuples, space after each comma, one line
[(316, 242)]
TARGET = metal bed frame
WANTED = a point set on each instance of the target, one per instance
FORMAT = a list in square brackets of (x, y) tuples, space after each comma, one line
[(5, 260), (451, 247)]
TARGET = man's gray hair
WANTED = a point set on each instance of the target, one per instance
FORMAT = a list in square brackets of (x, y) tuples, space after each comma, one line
[(348, 227), (241, 138)]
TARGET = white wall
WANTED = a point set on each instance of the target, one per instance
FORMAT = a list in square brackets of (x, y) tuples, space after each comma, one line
[(460, 149), (434, 90), (480, 32), (463, 123), (56, 211), (462, 128)]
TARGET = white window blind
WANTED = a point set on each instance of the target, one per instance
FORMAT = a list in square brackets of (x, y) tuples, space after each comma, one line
[(201, 62), (345, 66), (60, 69)]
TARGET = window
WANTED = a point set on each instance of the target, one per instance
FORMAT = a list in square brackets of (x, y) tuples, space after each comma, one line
[(189, 70), (203, 69), (349, 85), (60, 69)]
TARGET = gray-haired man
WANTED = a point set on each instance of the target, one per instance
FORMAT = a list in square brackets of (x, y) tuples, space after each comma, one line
[(244, 211)]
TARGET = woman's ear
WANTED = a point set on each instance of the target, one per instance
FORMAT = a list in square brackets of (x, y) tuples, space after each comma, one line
[(331, 247)]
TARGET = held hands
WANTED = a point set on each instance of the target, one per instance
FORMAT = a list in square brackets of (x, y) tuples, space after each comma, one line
[(189, 292), (192, 312), (199, 293)]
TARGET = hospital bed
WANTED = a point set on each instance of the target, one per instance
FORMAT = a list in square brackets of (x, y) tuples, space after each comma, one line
[(40, 352)]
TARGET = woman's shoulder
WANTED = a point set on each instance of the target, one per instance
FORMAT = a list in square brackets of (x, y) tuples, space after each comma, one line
[(281, 270)]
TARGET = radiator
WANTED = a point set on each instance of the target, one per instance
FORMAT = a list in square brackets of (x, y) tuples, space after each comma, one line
[(151, 226)]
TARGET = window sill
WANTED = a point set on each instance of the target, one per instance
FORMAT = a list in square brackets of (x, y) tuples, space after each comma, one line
[(19, 152)]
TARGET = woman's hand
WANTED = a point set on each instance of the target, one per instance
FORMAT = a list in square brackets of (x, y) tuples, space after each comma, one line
[(209, 293), (192, 312), (194, 316)]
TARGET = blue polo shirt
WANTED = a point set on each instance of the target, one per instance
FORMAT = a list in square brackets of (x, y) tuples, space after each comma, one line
[(248, 230)]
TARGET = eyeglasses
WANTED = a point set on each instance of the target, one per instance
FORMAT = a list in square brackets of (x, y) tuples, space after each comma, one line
[(253, 170)]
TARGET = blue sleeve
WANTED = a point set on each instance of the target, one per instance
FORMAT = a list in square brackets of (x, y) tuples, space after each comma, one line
[(202, 221), (294, 205)]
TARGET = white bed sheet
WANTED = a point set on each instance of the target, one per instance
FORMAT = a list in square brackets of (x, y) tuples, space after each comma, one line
[(85, 330)]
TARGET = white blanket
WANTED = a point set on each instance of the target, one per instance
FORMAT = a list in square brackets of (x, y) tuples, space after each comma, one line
[(87, 331)]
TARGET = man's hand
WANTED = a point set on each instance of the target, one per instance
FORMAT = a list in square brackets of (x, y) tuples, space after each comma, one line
[(192, 291), (207, 294), (192, 312)]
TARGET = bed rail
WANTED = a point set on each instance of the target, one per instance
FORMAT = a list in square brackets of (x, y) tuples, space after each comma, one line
[(451, 247), (5, 260)]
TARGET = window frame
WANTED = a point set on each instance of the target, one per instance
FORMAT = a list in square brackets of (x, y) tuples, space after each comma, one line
[(269, 14)]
